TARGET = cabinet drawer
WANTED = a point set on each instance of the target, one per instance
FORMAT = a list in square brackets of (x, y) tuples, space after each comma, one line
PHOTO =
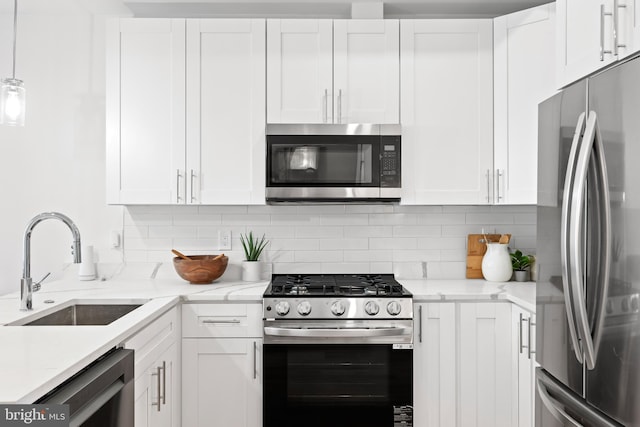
[(153, 340), (221, 320)]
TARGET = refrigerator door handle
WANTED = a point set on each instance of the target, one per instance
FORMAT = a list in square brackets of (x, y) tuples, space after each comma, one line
[(569, 182), (553, 406), (592, 146)]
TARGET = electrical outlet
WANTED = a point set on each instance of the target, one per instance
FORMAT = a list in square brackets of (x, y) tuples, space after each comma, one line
[(224, 240)]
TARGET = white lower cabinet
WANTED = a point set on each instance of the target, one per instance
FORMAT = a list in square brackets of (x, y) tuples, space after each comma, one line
[(157, 372), (463, 355), (523, 364), (222, 365)]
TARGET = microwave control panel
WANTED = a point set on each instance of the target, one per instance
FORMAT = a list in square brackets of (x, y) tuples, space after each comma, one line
[(390, 161)]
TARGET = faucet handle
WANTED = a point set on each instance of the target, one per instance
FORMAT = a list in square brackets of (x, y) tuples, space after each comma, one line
[(36, 286)]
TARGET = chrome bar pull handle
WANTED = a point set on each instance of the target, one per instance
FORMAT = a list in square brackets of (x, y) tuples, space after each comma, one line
[(616, 26), (325, 102), (191, 188), (221, 321), (521, 340), (602, 49), (255, 360), (529, 351), (178, 176), (164, 382), (339, 105), (419, 323), (498, 175), (158, 388)]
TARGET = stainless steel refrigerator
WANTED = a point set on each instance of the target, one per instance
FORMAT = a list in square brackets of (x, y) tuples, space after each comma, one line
[(588, 253)]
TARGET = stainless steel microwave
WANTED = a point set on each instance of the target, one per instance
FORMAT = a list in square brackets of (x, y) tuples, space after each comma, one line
[(339, 163)]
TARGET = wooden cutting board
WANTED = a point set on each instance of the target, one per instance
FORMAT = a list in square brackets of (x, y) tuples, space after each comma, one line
[(475, 251)]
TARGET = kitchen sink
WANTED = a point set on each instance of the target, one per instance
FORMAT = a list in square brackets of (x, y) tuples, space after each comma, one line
[(83, 314)]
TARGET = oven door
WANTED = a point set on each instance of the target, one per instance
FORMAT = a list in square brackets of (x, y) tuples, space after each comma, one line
[(338, 385)]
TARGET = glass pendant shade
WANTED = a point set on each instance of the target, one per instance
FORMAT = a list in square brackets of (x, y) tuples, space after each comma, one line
[(12, 102)]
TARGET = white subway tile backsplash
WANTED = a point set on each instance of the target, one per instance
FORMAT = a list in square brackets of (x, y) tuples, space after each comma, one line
[(329, 238)]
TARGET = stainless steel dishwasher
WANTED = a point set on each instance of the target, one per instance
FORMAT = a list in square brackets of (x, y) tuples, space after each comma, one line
[(101, 394)]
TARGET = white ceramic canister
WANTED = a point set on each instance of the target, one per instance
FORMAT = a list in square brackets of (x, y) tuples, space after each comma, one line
[(496, 263)]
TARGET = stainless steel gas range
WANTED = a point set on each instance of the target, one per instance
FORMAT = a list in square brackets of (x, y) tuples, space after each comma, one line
[(338, 350)]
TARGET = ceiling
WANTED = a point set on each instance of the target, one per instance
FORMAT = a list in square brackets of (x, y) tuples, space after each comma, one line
[(325, 9)]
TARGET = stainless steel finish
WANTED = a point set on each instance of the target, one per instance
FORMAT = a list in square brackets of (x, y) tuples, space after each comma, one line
[(26, 288), (178, 176), (355, 307), (419, 323), (390, 193), (156, 374), (565, 252), (334, 129), (325, 101), (334, 331), (592, 145), (191, 187), (288, 193), (557, 399), (255, 360), (83, 314), (339, 106), (520, 325), (221, 321), (101, 394)]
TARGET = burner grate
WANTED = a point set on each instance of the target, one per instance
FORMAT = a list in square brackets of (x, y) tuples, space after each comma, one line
[(347, 285)]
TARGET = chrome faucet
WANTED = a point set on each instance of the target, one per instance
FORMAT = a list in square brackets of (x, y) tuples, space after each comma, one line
[(26, 284)]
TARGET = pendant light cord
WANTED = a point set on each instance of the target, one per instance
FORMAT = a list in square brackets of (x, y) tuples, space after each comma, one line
[(15, 30)]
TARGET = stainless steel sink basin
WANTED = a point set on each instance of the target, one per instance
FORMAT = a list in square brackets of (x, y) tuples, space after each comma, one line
[(84, 314)]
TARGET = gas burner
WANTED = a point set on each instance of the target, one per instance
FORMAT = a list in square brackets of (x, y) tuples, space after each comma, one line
[(297, 290), (293, 279)]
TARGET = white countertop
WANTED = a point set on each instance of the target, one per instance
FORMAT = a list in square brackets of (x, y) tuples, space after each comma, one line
[(35, 359)]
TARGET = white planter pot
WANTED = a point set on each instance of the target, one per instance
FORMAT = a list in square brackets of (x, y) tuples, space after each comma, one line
[(496, 263), (522, 275), (251, 271)]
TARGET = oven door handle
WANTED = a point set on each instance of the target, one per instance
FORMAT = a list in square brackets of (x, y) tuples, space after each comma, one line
[(335, 332)]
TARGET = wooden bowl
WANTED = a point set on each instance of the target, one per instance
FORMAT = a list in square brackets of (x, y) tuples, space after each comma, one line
[(201, 269)]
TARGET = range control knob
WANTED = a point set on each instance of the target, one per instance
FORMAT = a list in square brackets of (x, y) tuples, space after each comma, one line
[(394, 308), (371, 308), (304, 308), (338, 308), (282, 308), (634, 303)]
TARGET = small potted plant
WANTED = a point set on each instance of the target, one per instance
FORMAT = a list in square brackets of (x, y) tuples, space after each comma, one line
[(521, 264), (253, 247)]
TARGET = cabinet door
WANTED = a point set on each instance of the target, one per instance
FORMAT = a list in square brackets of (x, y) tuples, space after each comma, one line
[(524, 76), (226, 111), (523, 363), (447, 111), (485, 357), (366, 71), (434, 367), (157, 401), (299, 71), (145, 125), (631, 21), (584, 36), (222, 382)]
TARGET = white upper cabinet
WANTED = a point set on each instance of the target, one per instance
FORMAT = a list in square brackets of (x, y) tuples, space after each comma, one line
[(186, 111), (333, 71), (145, 125), (366, 71), (299, 71), (592, 34), (447, 111), (225, 111), (524, 76)]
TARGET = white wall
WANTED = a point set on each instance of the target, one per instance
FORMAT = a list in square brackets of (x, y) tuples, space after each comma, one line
[(55, 162)]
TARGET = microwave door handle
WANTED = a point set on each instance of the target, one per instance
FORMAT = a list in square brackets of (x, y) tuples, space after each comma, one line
[(565, 238)]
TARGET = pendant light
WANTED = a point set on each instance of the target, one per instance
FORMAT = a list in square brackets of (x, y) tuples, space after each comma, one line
[(12, 92)]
